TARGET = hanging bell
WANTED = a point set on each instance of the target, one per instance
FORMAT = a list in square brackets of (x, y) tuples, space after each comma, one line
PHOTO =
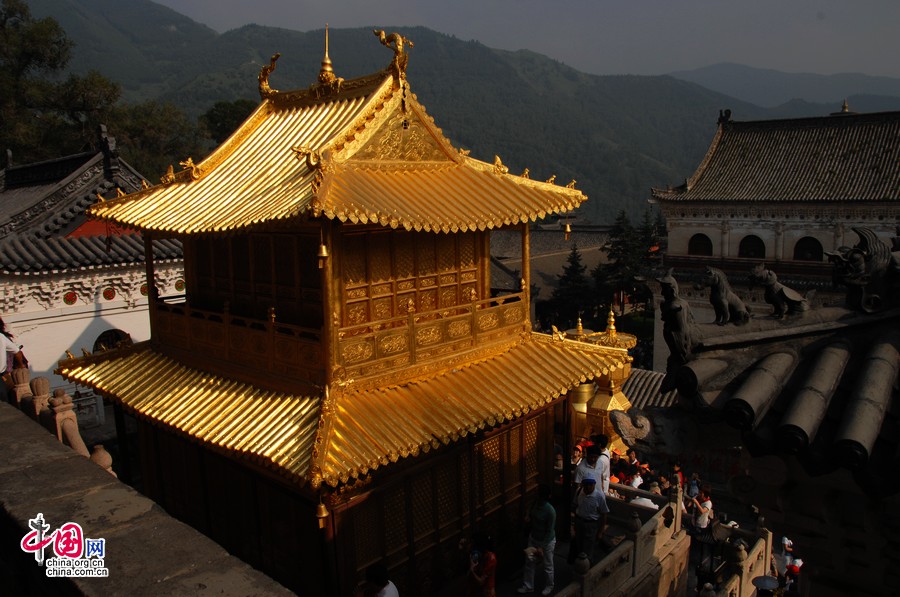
[(321, 513), (568, 230), (323, 251)]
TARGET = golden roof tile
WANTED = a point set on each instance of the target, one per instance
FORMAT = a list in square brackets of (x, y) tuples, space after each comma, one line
[(273, 429), (366, 153), (366, 428)]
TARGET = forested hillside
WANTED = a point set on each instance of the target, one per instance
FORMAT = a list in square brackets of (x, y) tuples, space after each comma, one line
[(615, 135)]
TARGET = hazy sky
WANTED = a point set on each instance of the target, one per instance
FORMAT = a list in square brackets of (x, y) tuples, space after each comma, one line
[(646, 37)]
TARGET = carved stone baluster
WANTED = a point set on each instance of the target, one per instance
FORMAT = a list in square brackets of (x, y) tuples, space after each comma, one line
[(63, 422)]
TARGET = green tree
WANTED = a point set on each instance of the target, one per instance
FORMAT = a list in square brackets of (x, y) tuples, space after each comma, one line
[(573, 294), (223, 118), (152, 135), (632, 254), (43, 117), (30, 52)]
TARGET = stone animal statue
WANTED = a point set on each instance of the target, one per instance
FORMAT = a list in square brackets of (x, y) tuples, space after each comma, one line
[(870, 270), (679, 330), (784, 300), (727, 305)]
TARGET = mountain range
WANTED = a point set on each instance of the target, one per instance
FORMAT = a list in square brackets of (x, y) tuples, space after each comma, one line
[(615, 135)]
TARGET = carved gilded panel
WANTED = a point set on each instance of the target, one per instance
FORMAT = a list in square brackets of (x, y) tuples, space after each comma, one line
[(514, 314), (459, 329), (467, 277), (403, 302), (448, 297), (427, 282), (355, 353), (383, 308), (428, 335), (406, 285), (357, 313), (393, 344), (402, 138), (427, 300), (357, 293), (446, 279), (382, 289), (488, 321)]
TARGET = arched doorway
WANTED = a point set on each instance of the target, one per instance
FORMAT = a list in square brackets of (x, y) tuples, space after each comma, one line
[(700, 245), (109, 339), (752, 247), (808, 249)]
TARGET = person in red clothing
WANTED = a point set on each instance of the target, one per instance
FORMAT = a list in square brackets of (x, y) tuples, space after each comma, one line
[(483, 567), (679, 474)]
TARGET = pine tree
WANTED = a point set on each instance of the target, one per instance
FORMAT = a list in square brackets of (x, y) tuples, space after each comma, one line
[(573, 294), (631, 255)]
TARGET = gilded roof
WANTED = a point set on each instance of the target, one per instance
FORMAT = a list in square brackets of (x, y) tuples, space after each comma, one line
[(365, 153), (355, 435), (844, 157), (273, 429)]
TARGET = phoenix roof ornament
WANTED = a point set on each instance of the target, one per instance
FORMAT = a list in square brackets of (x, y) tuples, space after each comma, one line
[(396, 42), (264, 90)]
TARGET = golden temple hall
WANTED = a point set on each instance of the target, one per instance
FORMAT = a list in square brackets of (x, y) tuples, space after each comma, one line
[(340, 381)]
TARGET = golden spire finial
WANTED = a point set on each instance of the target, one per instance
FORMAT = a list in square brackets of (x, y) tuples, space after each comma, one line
[(326, 73), (579, 329), (611, 323), (845, 107)]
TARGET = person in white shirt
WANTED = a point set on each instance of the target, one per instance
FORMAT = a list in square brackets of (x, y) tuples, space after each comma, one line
[(588, 465), (11, 348), (703, 503), (787, 550), (647, 502), (9, 345)]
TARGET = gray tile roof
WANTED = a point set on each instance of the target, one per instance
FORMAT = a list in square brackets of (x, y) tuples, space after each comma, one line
[(822, 386), (642, 388), (42, 203), (844, 157), (30, 256)]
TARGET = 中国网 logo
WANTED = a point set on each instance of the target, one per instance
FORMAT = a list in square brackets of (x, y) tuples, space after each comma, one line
[(74, 554)]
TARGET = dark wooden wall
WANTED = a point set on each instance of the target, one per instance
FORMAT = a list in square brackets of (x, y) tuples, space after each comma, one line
[(419, 517)]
